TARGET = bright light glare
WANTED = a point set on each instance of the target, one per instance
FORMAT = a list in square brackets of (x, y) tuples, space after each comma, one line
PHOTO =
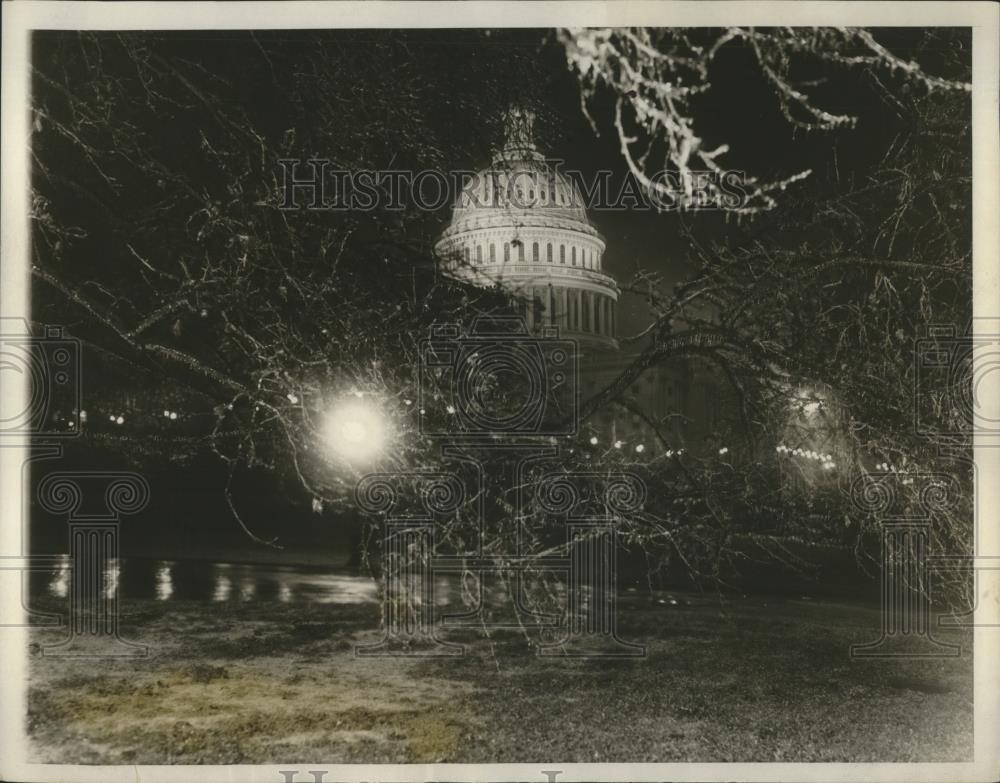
[(355, 429)]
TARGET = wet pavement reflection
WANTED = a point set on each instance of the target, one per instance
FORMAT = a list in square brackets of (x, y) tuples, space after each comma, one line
[(190, 580)]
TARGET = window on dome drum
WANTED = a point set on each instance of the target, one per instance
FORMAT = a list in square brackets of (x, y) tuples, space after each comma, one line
[(534, 252), (548, 253), (520, 252), (479, 254), (562, 254), (506, 252), (573, 253), (493, 253)]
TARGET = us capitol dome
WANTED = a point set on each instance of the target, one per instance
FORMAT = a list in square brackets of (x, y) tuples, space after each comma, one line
[(522, 225)]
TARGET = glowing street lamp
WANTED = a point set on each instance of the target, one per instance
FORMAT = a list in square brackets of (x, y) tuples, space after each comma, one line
[(356, 430)]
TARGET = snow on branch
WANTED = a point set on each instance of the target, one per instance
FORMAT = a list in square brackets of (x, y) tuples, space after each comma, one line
[(656, 72)]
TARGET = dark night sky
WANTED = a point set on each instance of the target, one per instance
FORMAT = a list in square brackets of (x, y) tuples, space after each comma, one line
[(530, 66), (740, 109)]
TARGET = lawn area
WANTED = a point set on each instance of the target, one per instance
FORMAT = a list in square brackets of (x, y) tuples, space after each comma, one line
[(744, 679)]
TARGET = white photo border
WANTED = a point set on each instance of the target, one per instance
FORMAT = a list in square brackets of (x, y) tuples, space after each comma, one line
[(21, 17)]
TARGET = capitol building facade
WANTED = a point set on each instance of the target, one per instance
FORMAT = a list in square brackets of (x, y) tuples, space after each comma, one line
[(523, 225)]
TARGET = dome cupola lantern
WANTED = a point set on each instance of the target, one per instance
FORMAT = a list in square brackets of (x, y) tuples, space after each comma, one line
[(519, 137)]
